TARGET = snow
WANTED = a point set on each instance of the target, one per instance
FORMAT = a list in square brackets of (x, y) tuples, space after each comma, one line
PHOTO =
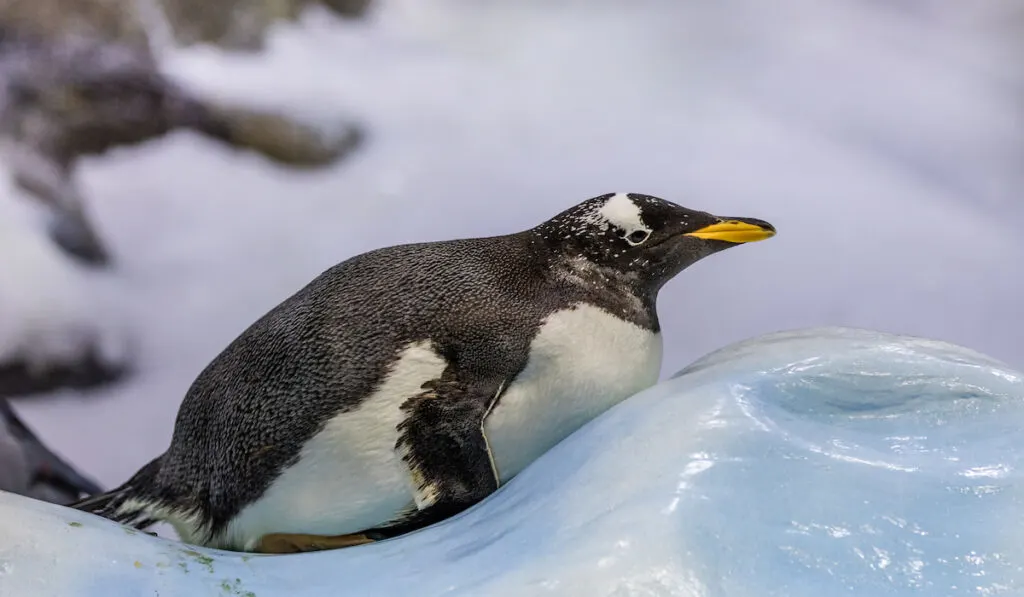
[(800, 464), (883, 139), (53, 312)]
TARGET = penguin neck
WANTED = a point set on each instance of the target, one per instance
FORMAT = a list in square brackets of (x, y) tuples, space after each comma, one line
[(621, 294)]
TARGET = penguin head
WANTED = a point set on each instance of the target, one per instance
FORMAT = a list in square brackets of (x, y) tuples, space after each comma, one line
[(641, 239)]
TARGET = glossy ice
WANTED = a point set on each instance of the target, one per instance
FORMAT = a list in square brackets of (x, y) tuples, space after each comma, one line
[(808, 463)]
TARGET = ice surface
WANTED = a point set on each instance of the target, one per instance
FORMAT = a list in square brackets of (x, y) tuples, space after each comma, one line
[(801, 464)]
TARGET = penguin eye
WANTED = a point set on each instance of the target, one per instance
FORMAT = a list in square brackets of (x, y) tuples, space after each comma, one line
[(638, 236)]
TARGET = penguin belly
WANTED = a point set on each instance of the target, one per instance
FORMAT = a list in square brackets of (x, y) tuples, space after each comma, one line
[(582, 362), (348, 477)]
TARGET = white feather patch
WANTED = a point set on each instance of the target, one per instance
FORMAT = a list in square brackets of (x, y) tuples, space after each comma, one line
[(582, 362), (349, 476), (190, 528), (620, 211)]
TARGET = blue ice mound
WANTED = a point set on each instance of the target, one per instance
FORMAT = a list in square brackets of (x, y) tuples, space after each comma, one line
[(800, 464)]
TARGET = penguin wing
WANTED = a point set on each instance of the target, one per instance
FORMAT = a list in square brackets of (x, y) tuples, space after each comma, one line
[(442, 441)]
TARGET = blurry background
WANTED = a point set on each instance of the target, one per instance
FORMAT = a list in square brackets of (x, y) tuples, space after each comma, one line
[(884, 139)]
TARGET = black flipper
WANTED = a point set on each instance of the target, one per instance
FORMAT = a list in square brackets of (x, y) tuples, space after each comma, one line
[(443, 443)]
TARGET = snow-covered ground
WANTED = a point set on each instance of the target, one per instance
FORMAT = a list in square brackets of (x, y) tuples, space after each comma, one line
[(883, 139), (53, 311)]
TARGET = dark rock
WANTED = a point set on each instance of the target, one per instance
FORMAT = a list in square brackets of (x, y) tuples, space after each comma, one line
[(69, 96), (29, 468), (18, 378), (242, 24)]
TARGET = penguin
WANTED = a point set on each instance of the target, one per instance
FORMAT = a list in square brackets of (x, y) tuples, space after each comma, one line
[(28, 467), (406, 384)]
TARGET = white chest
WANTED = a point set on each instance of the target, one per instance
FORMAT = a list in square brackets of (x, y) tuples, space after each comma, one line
[(582, 362)]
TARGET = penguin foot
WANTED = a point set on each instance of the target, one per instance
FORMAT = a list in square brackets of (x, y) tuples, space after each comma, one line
[(279, 543)]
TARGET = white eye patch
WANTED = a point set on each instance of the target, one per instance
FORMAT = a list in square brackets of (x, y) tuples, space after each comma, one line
[(620, 211)]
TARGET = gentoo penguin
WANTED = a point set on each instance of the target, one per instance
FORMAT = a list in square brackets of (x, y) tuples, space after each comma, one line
[(408, 383), (29, 468)]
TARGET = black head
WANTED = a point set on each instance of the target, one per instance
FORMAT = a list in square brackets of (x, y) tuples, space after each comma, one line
[(641, 239)]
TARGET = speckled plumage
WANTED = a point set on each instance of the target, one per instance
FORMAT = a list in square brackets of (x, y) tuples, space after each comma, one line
[(401, 357)]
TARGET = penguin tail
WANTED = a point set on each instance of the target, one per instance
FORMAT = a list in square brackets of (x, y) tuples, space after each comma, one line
[(128, 504)]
